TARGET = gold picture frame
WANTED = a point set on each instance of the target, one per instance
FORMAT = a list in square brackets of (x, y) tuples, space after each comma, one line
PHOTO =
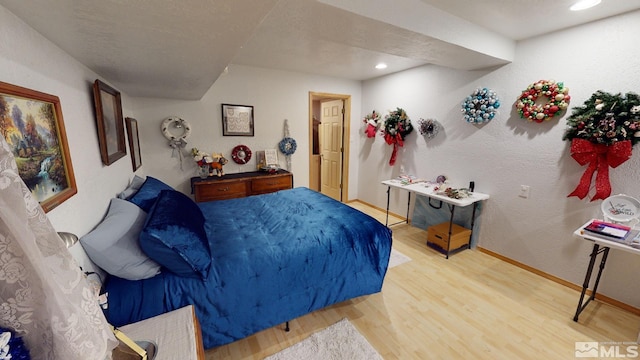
[(134, 142), (31, 122), (108, 105)]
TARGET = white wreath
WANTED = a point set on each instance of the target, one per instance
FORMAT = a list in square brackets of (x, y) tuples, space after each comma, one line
[(177, 143), (179, 123)]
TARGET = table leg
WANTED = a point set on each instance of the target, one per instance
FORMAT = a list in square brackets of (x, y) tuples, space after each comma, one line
[(603, 261), (406, 220), (386, 223), (587, 279), (453, 208), (408, 203)]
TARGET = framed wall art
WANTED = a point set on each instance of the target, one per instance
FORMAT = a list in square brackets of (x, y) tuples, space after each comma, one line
[(31, 122), (109, 122), (237, 120), (134, 142)]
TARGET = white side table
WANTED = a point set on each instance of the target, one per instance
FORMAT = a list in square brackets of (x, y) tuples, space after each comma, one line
[(176, 333), (600, 246)]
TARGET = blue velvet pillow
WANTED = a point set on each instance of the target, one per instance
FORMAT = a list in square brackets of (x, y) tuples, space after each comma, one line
[(148, 192), (174, 235)]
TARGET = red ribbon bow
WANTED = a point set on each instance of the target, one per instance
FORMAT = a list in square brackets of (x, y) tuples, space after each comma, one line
[(396, 141), (599, 157)]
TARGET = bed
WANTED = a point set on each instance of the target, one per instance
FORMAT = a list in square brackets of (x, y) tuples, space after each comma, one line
[(246, 264)]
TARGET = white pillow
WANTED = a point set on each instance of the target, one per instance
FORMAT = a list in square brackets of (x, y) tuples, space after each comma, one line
[(113, 244), (132, 189)]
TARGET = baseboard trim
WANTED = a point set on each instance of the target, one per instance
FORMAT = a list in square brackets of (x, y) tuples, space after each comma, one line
[(603, 298), (378, 208)]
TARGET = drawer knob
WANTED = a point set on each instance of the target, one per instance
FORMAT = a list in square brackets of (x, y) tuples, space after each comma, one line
[(223, 189)]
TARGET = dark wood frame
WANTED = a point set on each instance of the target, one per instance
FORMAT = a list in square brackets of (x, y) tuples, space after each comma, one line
[(57, 149), (109, 122), (225, 120), (134, 142)]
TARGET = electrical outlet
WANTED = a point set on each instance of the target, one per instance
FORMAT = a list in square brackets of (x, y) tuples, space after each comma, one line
[(524, 191)]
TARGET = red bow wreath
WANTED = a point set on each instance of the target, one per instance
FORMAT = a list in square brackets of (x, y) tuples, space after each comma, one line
[(602, 133), (397, 126), (599, 157)]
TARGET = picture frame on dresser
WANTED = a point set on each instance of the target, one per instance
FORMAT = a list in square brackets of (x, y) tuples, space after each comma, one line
[(134, 142), (237, 120), (108, 104), (31, 122), (270, 157)]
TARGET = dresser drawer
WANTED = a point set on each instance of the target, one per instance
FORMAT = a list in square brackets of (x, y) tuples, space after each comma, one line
[(221, 190), (269, 184)]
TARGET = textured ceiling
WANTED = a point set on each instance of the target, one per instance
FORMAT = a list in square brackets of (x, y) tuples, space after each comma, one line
[(178, 48)]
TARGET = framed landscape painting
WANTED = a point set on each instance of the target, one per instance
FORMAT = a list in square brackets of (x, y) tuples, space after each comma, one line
[(31, 123)]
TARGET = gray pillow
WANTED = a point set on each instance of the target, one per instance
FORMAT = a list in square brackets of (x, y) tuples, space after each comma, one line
[(132, 189), (113, 244)]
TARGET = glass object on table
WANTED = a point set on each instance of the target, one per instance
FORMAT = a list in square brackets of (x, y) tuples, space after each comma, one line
[(203, 171)]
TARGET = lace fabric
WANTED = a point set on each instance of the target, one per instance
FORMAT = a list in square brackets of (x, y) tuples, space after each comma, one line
[(44, 297)]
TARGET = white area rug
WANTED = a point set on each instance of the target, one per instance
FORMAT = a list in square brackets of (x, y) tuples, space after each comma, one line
[(397, 258), (337, 342)]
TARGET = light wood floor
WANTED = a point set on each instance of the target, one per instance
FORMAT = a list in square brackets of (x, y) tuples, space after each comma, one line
[(471, 306)]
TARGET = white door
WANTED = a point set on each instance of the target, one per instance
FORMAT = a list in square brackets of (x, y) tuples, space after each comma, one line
[(331, 148)]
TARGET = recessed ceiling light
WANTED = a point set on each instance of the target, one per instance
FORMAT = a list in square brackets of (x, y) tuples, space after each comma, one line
[(381, 66), (584, 4)]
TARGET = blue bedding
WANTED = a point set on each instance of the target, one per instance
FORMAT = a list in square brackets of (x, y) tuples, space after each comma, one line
[(275, 257)]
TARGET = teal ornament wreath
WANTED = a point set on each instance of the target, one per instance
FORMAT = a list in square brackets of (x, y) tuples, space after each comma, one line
[(288, 146), (481, 106)]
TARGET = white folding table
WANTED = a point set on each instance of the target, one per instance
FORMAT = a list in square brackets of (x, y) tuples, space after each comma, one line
[(428, 189)]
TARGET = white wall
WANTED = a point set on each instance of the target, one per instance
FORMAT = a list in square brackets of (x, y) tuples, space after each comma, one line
[(29, 60), (508, 152), (275, 96)]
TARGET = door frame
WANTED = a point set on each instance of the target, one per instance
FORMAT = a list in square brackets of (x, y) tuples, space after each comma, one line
[(346, 131)]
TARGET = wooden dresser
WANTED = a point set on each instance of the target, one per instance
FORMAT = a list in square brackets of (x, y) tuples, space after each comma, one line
[(230, 186)]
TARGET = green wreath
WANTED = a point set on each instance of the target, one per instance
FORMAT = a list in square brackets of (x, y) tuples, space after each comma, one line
[(606, 119)]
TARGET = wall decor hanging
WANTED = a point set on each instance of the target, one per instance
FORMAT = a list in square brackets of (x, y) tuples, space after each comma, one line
[(372, 124), (134, 142), (287, 145), (177, 140), (557, 96), (428, 128), (31, 123), (481, 106), (397, 126), (602, 133), (237, 120), (108, 105), (241, 154)]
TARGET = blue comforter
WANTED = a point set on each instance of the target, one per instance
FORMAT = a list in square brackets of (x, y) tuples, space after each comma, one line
[(275, 257)]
